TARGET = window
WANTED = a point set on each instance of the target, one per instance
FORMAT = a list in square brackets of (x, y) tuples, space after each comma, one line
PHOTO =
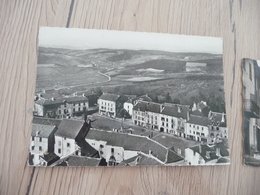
[(190, 125), (202, 134), (59, 150), (112, 150), (202, 128), (32, 147), (40, 139), (40, 148), (32, 138), (59, 111), (73, 109), (101, 146), (68, 144), (166, 119), (197, 127)]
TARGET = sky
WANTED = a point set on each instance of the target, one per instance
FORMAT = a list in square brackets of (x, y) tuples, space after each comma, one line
[(73, 38)]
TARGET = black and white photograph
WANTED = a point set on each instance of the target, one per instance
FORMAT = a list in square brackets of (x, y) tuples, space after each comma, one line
[(251, 94), (121, 98)]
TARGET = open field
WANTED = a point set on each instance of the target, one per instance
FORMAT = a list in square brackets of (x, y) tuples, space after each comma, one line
[(155, 73)]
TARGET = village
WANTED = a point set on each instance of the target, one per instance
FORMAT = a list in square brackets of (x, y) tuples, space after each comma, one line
[(90, 129)]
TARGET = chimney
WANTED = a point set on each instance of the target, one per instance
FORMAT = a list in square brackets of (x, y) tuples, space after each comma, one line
[(37, 133), (83, 95), (194, 107), (179, 109), (188, 115), (223, 118), (150, 152), (161, 107), (52, 99), (210, 114), (218, 151), (200, 149), (43, 91)]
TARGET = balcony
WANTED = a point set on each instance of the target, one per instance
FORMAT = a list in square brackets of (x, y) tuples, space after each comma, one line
[(251, 106)]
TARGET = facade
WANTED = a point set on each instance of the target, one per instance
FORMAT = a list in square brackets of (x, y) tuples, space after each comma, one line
[(169, 118), (64, 107), (108, 104), (197, 128)]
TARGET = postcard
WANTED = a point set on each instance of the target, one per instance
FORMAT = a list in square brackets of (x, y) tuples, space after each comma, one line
[(251, 98), (120, 98)]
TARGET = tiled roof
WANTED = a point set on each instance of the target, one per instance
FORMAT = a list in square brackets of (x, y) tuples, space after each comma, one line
[(132, 142), (46, 121), (69, 128), (217, 118), (173, 110), (70, 99), (142, 98), (147, 106), (50, 157), (43, 130), (82, 161), (176, 111), (199, 120), (204, 148), (141, 159), (110, 97)]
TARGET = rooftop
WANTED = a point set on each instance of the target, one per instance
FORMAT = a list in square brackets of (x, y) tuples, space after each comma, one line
[(82, 161), (135, 143), (69, 128), (174, 110), (46, 121), (141, 159), (212, 149), (53, 101), (218, 118), (199, 120), (42, 130), (109, 97)]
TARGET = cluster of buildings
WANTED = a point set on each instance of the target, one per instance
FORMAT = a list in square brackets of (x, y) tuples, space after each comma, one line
[(70, 142), (59, 140), (199, 123), (51, 106), (251, 86)]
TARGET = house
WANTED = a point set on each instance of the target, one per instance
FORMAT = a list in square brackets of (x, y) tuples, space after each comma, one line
[(146, 114), (169, 118), (218, 127), (111, 104), (194, 66), (118, 147), (70, 139), (173, 118), (63, 107), (200, 109), (42, 140), (129, 104), (207, 154), (197, 128)]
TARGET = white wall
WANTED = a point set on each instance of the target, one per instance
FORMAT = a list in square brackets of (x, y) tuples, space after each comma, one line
[(193, 158), (35, 148), (67, 146), (129, 107)]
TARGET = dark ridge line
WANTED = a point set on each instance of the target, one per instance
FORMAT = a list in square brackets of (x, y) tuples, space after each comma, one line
[(234, 63), (30, 182), (70, 12)]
